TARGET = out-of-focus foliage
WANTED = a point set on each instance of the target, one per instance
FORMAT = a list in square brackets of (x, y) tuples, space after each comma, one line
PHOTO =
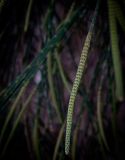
[(45, 100)]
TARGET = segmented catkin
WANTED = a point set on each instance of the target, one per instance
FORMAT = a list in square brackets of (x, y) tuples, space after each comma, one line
[(75, 89), (77, 80), (115, 51)]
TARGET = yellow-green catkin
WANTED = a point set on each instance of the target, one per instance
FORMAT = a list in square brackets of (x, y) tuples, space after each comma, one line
[(115, 51), (80, 70), (78, 77)]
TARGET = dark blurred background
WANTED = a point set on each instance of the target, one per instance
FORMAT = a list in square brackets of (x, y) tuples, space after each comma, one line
[(25, 28)]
